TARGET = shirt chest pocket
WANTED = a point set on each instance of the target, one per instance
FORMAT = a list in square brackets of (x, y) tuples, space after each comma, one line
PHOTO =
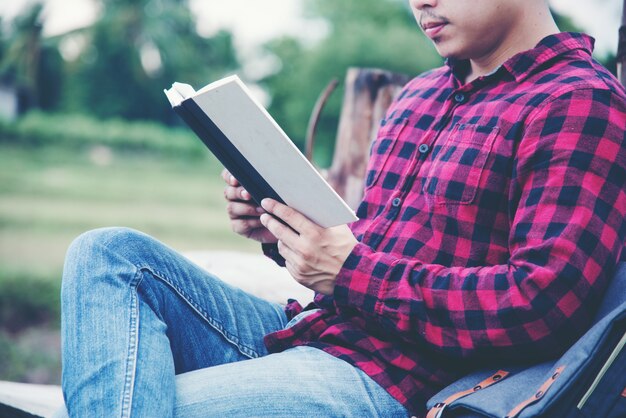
[(458, 164), (382, 148)]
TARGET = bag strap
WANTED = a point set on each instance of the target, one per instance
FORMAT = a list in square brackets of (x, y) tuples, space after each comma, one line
[(437, 409), (538, 395)]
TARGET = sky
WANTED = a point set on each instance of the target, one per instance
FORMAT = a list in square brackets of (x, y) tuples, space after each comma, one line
[(254, 22)]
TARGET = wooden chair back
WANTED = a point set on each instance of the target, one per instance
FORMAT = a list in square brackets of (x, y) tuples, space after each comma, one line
[(367, 95)]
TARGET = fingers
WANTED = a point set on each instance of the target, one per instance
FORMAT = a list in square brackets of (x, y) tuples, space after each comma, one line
[(236, 194), (233, 190), (290, 260), (229, 178), (281, 231), (285, 251), (295, 219), (231, 181), (237, 209), (246, 226), (243, 211), (300, 267)]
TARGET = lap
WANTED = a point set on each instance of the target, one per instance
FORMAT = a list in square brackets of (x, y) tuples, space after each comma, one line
[(301, 381), (204, 320), (197, 309)]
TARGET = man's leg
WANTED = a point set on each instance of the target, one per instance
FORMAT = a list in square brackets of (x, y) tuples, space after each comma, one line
[(135, 313), (299, 382)]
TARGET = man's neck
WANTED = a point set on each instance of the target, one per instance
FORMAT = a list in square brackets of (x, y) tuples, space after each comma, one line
[(530, 31)]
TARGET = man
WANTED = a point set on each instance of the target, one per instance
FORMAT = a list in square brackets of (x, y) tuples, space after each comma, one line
[(493, 217)]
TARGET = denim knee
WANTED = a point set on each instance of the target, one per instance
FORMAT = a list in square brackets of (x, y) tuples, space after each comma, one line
[(91, 243), (96, 249)]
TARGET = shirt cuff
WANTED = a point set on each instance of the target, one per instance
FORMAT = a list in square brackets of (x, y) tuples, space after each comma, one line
[(271, 251), (361, 280)]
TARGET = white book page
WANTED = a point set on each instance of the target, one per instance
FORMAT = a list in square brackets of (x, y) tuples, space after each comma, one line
[(179, 92), (266, 146)]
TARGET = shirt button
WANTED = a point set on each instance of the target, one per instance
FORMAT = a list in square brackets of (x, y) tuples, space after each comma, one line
[(396, 202), (423, 148), (459, 98)]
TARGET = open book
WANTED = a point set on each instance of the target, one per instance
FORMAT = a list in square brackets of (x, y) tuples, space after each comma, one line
[(251, 145)]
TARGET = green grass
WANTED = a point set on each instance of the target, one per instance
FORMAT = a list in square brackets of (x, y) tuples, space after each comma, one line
[(49, 195), (81, 131)]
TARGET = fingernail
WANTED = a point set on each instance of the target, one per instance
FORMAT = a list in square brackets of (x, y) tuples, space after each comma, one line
[(264, 218), (245, 194), (260, 210), (265, 203)]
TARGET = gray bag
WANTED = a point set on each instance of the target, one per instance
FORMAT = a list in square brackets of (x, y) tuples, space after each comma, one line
[(589, 380)]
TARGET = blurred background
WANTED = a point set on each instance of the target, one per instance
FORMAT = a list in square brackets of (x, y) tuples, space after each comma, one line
[(87, 138)]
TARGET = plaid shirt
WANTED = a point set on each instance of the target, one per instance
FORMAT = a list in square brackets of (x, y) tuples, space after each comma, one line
[(493, 217)]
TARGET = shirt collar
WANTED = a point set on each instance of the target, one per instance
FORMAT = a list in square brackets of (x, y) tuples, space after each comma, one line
[(525, 63)]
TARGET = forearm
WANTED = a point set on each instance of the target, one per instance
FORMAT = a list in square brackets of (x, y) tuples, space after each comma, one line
[(468, 311)]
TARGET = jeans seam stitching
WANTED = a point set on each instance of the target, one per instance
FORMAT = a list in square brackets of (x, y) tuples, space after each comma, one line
[(244, 349), (131, 359)]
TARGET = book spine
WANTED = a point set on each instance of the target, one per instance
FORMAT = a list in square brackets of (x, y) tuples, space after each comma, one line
[(226, 152)]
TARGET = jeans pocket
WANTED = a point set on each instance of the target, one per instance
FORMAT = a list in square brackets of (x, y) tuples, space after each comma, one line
[(458, 164)]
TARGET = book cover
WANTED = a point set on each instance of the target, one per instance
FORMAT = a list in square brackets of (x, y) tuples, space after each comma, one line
[(251, 145)]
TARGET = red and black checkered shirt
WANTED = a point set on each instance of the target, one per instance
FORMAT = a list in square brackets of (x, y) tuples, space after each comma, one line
[(493, 217)]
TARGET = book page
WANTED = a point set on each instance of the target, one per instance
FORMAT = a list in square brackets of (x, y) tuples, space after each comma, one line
[(179, 92), (256, 135)]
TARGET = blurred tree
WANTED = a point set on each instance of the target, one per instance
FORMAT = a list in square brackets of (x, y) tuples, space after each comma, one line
[(137, 48), (610, 62), (21, 56), (362, 33), (564, 23)]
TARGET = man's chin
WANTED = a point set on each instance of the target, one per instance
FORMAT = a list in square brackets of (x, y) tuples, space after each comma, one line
[(449, 53)]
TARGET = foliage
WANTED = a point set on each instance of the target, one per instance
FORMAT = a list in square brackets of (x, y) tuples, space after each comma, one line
[(363, 33), (81, 131), (27, 62), (32, 356), (136, 49), (121, 63), (565, 23), (21, 49), (26, 300), (29, 318)]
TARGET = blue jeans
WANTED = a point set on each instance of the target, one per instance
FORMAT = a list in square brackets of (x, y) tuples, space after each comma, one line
[(146, 333)]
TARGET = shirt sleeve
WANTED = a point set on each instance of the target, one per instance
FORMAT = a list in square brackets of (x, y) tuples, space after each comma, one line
[(567, 206), (271, 251)]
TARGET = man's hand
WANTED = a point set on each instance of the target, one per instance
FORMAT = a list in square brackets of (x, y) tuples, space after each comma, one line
[(243, 212), (313, 255)]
